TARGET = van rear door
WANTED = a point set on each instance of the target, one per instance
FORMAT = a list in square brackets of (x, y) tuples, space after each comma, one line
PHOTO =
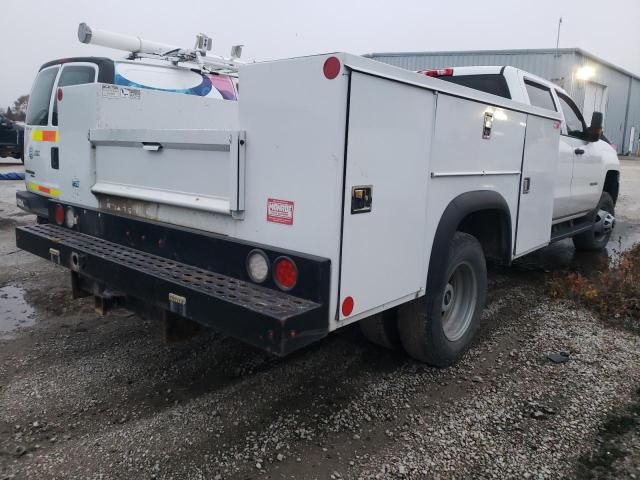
[(42, 155)]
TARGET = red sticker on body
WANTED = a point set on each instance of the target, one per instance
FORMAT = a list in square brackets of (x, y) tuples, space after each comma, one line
[(280, 211)]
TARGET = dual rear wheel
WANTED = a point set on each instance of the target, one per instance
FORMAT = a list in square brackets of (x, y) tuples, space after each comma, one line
[(439, 327)]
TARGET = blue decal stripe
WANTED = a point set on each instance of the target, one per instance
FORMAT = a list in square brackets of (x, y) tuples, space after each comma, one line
[(201, 90)]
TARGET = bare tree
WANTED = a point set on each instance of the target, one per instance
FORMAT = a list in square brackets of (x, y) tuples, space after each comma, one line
[(19, 109)]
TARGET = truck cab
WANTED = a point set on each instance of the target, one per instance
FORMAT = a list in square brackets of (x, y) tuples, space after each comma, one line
[(43, 177), (586, 166)]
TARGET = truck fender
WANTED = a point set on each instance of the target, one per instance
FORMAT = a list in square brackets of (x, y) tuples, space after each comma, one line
[(458, 209)]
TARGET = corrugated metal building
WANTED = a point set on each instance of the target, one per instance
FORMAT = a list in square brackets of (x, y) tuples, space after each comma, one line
[(608, 88)]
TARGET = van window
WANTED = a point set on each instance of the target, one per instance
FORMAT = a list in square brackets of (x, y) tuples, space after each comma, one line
[(38, 108), (494, 84), (539, 95), (73, 75)]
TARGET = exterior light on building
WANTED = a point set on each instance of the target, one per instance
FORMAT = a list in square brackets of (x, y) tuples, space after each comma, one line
[(585, 73)]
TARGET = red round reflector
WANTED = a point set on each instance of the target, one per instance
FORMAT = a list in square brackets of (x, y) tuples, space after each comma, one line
[(59, 93), (331, 67), (285, 273), (347, 306), (59, 214)]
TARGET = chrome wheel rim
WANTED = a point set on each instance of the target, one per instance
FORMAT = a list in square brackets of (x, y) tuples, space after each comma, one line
[(603, 224), (459, 301)]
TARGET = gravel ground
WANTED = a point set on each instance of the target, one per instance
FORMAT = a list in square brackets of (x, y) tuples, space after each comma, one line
[(102, 398)]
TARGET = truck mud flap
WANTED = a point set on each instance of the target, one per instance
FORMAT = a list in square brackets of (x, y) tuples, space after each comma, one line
[(272, 320)]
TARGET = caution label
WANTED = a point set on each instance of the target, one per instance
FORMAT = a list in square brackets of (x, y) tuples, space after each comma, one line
[(114, 91), (280, 211)]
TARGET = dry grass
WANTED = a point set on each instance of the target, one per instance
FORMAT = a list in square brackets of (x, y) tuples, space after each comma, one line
[(614, 293)]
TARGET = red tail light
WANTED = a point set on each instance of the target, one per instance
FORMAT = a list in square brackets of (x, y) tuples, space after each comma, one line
[(437, 72), (59, 94), (59, 211), (285, 273)]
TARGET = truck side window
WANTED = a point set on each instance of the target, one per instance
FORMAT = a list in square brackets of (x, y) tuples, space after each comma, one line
[(38, 108), (539, 95), (494, 84), (572, 116), (73, 75)]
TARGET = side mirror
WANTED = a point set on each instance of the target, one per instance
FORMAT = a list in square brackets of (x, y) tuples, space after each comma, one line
[(594, 132)]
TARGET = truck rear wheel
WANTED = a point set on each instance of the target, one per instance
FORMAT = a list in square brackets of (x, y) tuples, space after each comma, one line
[(439, 327), (382, 329), (603, 223)]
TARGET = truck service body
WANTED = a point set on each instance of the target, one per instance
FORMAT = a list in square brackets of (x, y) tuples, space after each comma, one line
[(290, 213), (582, 164)]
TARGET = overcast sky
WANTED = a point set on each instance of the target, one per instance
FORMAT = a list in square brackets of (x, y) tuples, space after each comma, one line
[(33, 32)]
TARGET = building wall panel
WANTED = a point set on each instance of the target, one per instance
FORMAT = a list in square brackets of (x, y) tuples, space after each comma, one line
[(617, 84), (633, 118)]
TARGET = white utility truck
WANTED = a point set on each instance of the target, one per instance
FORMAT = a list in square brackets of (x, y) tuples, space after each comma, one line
[(336, 189)]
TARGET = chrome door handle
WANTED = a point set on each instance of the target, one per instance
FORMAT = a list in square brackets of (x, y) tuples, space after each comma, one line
[(578, 151), (151, 146)]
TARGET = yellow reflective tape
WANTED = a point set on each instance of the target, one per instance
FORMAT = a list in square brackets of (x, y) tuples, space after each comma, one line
[(39, 135), (54, 192)]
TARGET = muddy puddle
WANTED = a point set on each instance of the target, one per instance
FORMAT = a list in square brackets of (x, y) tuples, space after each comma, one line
[(563, 256), (15, 312)]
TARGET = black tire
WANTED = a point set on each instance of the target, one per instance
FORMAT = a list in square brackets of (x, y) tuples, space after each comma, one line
[(595, 239), (422, 322), (382, 329)]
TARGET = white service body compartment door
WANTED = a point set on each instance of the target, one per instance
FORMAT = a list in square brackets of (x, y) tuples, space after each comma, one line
[(193, 169), (539, 163), (389, 136)]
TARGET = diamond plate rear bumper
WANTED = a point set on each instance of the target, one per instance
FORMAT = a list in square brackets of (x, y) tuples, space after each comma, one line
[(267, 318)]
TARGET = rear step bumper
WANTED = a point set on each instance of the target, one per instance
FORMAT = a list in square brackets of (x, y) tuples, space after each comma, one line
[(275, 321)]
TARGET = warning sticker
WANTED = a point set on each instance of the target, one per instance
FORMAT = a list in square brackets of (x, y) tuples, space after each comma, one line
[(114, 91), (280, 211)]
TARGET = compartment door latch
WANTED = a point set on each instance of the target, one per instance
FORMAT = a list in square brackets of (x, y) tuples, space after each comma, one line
[(487, 125), (361, 199)]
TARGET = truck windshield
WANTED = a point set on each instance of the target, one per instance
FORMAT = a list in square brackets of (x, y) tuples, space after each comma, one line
[(494, 84), (38, 109)]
